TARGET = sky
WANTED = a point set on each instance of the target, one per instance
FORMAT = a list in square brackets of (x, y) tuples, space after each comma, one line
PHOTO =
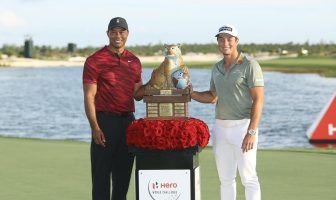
[(84, 22)]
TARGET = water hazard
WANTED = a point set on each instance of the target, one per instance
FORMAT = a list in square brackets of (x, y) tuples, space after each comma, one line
[(48, 103)]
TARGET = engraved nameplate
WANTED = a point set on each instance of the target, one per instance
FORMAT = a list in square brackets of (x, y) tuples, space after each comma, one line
[(152, 112), (152, 115), (179, 104), (166, 109), (179, 111), (165, 92), (152, 108)]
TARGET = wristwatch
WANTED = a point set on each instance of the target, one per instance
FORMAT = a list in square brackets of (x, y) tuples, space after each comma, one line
[(252, 131)]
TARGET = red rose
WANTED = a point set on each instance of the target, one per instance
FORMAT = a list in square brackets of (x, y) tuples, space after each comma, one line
[(167, 134)]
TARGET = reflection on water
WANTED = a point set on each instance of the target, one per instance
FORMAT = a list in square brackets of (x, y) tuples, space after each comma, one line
[(48, 103)]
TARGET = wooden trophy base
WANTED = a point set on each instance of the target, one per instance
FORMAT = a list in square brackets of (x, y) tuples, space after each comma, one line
[(167, 104)]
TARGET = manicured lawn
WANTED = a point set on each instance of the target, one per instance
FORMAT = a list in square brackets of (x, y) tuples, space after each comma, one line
[(325, 66), (48, 170)]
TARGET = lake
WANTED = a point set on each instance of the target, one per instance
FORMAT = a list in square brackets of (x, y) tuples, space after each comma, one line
[(48, 103)]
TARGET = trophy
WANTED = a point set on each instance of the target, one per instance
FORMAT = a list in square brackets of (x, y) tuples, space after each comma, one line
[(167, 142), (167, 94)]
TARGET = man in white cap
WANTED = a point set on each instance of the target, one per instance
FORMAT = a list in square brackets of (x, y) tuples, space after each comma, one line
[(237, 88)]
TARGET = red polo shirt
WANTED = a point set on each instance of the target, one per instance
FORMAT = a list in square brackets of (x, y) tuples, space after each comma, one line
[(115, 78)]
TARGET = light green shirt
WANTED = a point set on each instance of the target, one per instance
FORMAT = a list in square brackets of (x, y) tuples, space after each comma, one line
[(232, 87)]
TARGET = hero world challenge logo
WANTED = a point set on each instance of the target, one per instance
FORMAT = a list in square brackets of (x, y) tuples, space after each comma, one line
[(163, 190)]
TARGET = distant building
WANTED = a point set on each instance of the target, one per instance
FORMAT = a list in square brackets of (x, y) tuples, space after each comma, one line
[(71, 48), (284, 52), (3, 56), (304, 51), (28, 48)]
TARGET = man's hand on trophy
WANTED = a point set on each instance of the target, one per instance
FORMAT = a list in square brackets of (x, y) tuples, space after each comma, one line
[(190, 87)]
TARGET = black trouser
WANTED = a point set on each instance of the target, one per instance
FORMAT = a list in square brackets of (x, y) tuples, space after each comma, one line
[(112, 160)]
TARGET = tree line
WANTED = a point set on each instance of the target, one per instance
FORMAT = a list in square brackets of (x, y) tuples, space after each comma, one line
[(49, 52)]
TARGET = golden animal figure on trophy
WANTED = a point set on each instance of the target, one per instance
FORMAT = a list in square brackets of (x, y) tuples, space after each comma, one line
[(172, 72)]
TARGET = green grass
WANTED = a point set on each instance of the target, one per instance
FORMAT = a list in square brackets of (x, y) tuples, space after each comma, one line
[(48, 170), (44, 169), (325, 66)]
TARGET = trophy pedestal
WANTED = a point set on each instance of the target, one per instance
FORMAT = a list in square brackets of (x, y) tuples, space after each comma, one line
[(171, 174), (167, 104), (166, 145)]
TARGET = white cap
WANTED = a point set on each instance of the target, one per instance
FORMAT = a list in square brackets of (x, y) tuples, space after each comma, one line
[(229, 29)]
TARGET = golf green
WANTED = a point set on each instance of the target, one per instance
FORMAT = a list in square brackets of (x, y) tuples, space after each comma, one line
[(50, 169)]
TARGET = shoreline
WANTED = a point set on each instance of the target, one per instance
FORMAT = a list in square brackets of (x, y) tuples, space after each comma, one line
[(31, 62), (79, 61), (192, 60)]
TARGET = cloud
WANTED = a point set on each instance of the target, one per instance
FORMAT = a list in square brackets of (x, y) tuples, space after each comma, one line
[(9, 19)]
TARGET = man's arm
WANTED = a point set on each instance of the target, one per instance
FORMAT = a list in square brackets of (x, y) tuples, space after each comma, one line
[(257, 94), (90, 91), (204, 97), (139, 90)]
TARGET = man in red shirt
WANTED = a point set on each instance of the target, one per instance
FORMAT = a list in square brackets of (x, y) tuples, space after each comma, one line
[(111, 82)]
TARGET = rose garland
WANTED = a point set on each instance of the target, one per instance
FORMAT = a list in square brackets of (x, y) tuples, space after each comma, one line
[(167, 134)]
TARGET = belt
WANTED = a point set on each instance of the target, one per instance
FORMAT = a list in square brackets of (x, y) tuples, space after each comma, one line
[(122, 114), (232, 123)]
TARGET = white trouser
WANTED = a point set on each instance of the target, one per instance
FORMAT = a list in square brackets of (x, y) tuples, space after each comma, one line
[(227, 140)]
